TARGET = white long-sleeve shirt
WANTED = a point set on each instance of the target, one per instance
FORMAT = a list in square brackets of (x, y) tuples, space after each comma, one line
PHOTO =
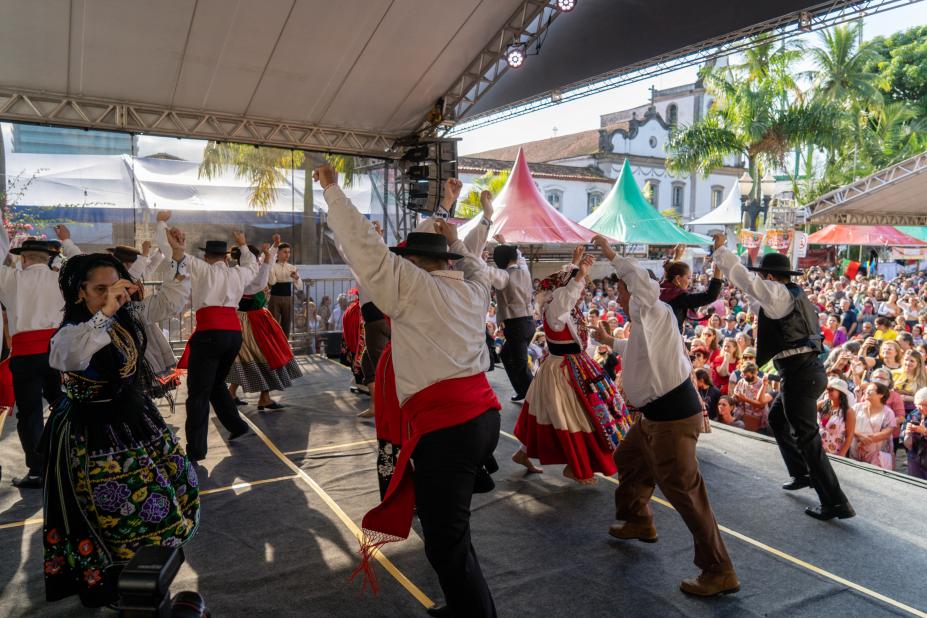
[(31, 295), (653, 358), (283, 273), (260, 281), (214, 285), (773, 297), (73, 345), (437, 317), (562, 301)]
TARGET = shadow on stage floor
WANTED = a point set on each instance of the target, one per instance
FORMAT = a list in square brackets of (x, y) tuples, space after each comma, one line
[(280, 508)]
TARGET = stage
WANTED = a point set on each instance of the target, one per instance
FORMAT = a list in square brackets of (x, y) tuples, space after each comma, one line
[(280, 511)]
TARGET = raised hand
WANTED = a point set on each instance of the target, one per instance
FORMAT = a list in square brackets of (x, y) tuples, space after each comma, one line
[(146, 247), (62, 232), (720, 240), (239, 237), (678, 250), (164, 215), (578, 253), (448, 230), (602, 243), (486, 203), (117, 295), (276, 239), (378, 228), (499, 238), (178, 241), (452, 187), (584, 266), (265, 249), (325, 175)]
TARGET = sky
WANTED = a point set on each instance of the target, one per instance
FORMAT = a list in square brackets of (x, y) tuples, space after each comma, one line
[(583, 114)]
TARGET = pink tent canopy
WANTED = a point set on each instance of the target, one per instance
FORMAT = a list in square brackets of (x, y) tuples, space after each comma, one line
[(523, 216), (870, 235)]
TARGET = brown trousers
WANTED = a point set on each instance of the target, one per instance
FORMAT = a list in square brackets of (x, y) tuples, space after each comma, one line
[(663, 454), (281, 307)]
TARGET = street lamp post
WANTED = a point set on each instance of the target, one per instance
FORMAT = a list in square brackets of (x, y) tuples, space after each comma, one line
[(750, 207)]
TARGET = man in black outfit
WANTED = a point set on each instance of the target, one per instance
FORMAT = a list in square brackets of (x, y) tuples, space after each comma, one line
[(788, 333)]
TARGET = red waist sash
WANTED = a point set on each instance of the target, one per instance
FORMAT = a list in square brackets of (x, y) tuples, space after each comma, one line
[(387, 412), (444, 404), (211, 318), (32, 342)]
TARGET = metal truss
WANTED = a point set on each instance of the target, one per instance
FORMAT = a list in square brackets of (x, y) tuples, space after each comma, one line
[(524, 27), (19, 105), (822, 16), (828, 207)]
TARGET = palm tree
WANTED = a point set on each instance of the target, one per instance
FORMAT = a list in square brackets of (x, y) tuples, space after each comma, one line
[(266, 169), (470, 206), (841, 59), (758, 113)]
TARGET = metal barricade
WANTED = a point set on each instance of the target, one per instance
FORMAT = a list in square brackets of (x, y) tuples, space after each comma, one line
[(323, 337)]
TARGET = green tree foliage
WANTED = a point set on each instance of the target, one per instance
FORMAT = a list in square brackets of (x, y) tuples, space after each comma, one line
[(470, 206)]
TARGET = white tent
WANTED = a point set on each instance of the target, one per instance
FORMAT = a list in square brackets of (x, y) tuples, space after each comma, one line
[(727, 212)]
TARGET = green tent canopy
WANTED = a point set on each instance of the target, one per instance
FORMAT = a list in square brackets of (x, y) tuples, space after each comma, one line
[(626, 216), (917, 231)]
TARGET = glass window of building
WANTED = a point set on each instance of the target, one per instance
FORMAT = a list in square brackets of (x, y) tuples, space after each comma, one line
[(555, 198), (593, 199), (679, 196), (717, 196)]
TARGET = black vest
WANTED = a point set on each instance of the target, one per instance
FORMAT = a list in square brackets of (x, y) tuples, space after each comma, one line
[(797, 329)]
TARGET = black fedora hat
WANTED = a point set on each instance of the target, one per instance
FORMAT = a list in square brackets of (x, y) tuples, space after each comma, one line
[(34, 244), (775, 263), (427, 245), (125, 253), (215, 247)]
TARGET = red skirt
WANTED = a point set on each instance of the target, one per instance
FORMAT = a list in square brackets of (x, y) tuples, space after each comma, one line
[(7, 398), (579, 449), (270, 338)]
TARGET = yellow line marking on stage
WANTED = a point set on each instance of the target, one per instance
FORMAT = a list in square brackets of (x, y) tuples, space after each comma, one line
[(332, 447), (385, 562), (3, 415), (205, 492), (247, 484), (787, 557)]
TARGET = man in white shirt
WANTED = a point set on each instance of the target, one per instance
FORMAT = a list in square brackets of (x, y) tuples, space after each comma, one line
[(284, 277), (214, 345), (660, 448), (439, 356), (34, 308), (514, 291)]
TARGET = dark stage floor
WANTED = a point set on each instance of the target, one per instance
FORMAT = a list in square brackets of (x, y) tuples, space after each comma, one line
[(280, 510)]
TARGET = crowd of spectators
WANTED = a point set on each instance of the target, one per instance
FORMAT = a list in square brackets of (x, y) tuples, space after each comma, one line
[(875, 404)]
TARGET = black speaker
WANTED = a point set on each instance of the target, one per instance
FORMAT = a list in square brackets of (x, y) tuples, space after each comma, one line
[(423, 170)]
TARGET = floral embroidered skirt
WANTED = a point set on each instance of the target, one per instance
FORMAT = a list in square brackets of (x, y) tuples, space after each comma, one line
[(111, 488)]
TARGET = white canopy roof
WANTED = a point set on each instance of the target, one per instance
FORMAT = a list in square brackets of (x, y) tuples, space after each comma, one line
[(896, 195), (123, 181), (727, 212)]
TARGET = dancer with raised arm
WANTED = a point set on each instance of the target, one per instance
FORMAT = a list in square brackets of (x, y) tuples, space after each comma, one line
[(117, 479), (573, 413), (34, 310), (450, 413), (265, 361), (788, 333), (659, 450), (214, 345)]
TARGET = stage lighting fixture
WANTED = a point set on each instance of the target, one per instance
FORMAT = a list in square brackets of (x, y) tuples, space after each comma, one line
[(566, 5), (804, 21), (515, 56)]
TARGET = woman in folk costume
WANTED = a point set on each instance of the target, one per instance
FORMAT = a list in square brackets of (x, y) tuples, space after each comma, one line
[(573, 413), (352, 340), (265, 361), (117, 479), (674, 288)]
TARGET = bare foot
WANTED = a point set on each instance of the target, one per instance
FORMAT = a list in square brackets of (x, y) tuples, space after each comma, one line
[(368, 413), (568, 472), (521, 457)]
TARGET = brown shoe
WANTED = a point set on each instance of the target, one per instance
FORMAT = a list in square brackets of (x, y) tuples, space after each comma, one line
[(709, 584), (628, 530)]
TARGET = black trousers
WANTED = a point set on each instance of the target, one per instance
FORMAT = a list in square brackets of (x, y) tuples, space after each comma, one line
[(446, 464), (793, 420), (33, 379), (212, 353), (518, 334)]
